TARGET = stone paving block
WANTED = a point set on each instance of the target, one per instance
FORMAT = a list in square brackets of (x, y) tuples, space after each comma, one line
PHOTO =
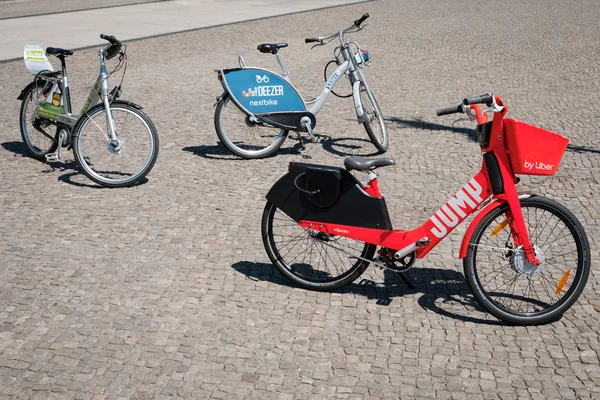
[(163, 290)]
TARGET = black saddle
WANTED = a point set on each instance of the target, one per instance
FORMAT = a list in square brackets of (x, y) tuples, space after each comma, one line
[(271, 47), (58, 52), (364, 164)]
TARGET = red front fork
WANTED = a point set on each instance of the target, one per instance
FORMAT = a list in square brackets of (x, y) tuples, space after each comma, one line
[(517, 221), (510, 195)]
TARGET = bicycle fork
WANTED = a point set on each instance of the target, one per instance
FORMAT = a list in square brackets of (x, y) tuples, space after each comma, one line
[(515, 218), (361, 115), (104, 94)]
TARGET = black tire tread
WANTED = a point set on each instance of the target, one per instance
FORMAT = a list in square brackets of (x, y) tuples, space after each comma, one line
[(78, 156), (37, 156), (352, 274), (381, 147), (218, 110)]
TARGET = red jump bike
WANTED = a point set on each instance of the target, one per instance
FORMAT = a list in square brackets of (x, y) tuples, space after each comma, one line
[(526, 257)]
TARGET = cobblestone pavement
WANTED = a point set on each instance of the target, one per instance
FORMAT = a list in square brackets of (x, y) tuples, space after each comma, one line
[(164, 290)]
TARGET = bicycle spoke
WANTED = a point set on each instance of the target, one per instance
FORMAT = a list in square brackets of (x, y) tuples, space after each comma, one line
[(512, 288)]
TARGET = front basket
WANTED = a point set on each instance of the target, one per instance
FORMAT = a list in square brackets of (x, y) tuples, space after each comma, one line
[(532, 150)]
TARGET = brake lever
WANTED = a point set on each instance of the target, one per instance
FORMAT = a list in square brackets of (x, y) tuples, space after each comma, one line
[(493, 109), (322, 43), (471, 115)]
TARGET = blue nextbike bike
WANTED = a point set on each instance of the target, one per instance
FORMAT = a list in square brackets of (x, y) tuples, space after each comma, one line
[(259, 107)]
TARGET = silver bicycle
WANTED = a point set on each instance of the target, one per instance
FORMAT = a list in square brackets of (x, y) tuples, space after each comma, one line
[(259, 107), (114, 142)]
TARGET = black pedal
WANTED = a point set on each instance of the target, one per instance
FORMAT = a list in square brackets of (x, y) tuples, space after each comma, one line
[(422, 242)]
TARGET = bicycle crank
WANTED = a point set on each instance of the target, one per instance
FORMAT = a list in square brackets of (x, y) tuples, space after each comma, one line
[(394, 263), (62, 140), (376, 263)]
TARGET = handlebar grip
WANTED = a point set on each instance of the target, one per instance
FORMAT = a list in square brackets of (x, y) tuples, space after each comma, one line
[(111, 51), (449, 110), (311, 40), (487, 98), (361, 20), (110, 38)]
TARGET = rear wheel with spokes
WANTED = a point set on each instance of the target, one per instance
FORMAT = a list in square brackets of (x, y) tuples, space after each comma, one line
[(312, 260), (508, 286), (245, 136), (40, 135)]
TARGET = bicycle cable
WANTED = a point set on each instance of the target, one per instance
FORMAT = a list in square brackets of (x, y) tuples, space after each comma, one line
[(122, 64)]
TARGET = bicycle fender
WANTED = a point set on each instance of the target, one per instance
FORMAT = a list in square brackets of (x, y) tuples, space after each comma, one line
[(356, 97), (257, 90), (101, 105), (467, 238), (126, 102), (220, 98), (22, 94)]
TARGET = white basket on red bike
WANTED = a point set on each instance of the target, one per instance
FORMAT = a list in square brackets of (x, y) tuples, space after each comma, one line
[(533, 150)]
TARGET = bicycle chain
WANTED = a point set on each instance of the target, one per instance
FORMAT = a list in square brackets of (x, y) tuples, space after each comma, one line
[(377, 264)]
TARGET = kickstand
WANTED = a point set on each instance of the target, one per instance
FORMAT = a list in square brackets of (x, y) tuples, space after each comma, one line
[(303, 148), (305, 121), (300, 140), (406, 280)]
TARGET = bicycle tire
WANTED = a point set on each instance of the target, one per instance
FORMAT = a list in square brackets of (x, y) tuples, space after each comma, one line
[(44, 144), (253, 151), (95, 167), (298, 272), (534, 208), (371, 108)]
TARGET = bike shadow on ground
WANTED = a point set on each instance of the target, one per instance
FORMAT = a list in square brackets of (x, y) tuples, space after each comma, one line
[(582, 149), (341, 147), (70, 167), (346, 147), (471, 135), (431, 126), (18, 148), (220, 152), (68, 177), (443, 291)]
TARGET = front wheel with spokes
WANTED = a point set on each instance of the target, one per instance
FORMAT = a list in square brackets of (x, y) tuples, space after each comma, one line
[(121, 162), (372, 119), (311, 259), (510, 288)]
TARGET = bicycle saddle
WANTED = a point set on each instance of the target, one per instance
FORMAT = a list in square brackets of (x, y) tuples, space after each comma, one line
[(58, 52), (364, 164), (270, 47)]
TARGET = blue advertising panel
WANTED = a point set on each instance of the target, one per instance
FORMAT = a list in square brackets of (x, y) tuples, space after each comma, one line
[(261, 91)]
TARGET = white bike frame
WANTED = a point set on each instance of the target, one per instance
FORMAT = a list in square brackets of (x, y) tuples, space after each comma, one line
[(350, 67)]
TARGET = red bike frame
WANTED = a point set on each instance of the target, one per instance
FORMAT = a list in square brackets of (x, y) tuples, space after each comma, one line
[(499, 182)]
